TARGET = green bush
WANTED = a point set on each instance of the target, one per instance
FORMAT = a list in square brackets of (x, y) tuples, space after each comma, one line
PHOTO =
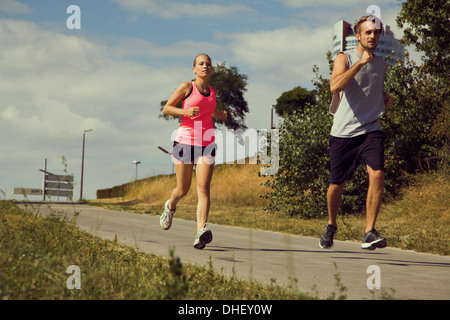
[(301, 182)]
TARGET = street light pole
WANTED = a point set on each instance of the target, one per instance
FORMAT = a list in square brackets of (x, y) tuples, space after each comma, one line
[(271, 117), (136, 163), (82, 163)]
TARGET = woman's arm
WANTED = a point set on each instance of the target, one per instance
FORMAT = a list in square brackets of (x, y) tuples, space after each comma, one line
[(181, 92)]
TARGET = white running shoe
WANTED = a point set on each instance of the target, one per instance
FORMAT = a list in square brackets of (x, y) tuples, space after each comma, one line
[(204, 236), (166, 218)]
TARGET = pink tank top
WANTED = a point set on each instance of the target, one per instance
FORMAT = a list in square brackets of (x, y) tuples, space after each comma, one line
[(198, 130)]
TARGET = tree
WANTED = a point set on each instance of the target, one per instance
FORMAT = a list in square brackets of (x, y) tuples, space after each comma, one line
[(300, 186), (428, 30), (230, 87), (294, 100), (408, 124), (424, 94)]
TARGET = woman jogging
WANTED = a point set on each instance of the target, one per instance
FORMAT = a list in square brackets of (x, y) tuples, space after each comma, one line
[(194, 145)]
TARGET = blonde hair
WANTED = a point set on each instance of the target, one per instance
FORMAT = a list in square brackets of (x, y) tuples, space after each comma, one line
[(201, 54), (374, 19)]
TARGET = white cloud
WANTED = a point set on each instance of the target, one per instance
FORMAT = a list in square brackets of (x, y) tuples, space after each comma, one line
[(285, 55), (28, 47), (175, 9), (14, 7), (53, 120), (135, 47), (330, 4), (54, 86)]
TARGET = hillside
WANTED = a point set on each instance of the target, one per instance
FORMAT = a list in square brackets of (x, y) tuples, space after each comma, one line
[(418, 220), (232, 184)]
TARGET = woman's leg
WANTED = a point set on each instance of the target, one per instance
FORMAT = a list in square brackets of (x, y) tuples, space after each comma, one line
[(204, 171), (184, 178)]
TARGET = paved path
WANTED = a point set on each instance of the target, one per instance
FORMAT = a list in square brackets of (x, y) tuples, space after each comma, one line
[(264, 256)]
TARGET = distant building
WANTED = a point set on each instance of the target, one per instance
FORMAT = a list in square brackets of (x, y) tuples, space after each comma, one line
[(344, 39)]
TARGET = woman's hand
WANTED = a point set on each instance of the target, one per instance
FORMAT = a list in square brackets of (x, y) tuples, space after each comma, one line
[(192, 112), (221, 114)]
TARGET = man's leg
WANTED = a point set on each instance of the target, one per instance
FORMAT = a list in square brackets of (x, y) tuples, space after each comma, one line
[(374, 196), (334, 197), (343, 163)]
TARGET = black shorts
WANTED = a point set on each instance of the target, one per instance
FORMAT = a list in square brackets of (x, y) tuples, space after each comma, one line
[(347, 153), (187, 154)]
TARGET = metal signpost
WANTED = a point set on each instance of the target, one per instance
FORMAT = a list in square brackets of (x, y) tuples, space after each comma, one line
[(52, 185)]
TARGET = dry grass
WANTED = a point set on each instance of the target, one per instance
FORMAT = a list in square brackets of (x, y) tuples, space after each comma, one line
[(419, 220), (236, 185)]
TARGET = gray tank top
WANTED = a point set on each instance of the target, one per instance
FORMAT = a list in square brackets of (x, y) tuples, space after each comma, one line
[(361, 104)]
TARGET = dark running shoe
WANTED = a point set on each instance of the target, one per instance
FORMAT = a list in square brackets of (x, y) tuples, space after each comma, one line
[(326, 241), (372, 240)]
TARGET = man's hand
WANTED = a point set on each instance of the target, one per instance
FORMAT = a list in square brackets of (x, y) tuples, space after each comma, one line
[(366, 58)]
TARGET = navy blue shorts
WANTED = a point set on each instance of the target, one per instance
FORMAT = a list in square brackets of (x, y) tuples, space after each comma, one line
[(187, 154), (347, 153)]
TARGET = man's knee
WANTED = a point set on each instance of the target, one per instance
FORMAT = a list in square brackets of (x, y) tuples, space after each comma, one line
[(376, 178)]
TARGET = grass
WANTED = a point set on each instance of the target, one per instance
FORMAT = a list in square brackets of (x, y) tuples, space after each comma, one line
[(35, 253), (418, 220)]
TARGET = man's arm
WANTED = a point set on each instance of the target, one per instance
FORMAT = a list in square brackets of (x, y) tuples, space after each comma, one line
[(341, 75)]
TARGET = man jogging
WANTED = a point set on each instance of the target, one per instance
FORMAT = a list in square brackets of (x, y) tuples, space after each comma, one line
[(357, 85)]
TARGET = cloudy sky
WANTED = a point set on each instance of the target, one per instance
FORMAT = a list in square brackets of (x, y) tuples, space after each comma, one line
[(110, 75)]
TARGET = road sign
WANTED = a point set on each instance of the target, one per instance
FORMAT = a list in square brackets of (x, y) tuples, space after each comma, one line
[(59, 193), (27, 191), (59, 185), (54, 177), (56, 185)]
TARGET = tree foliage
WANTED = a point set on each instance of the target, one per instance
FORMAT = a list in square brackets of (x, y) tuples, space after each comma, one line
[(427, 28), (300, 186), (424, 91), (230, 87), (294, 100)]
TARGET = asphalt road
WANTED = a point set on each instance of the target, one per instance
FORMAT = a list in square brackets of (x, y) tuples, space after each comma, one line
[(270, 256)]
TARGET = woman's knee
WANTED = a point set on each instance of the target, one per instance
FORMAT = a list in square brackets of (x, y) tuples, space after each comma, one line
[(181, 192), (203, 189)]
